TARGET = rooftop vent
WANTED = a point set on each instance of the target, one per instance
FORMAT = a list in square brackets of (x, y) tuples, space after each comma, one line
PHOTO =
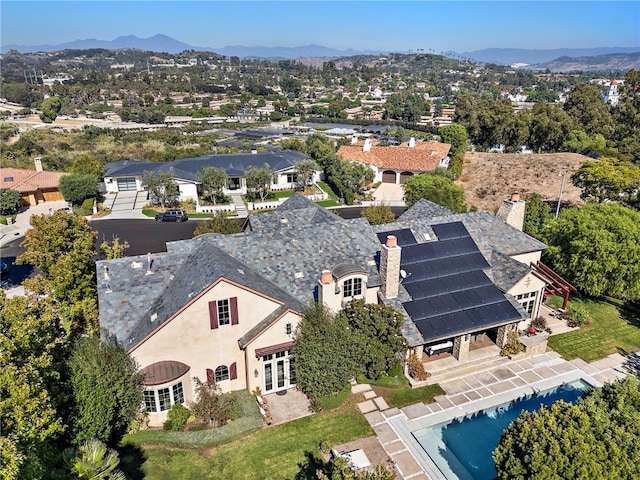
[(153, 317), (298, 275), (136, 264)]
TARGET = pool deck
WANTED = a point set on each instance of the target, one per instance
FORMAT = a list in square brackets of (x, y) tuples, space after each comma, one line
[(486, 388)]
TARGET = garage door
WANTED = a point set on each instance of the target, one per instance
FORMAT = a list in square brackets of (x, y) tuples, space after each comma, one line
[(404, 176), (127, 184), (388, 176)]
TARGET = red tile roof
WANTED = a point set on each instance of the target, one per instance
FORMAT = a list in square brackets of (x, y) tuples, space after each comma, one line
[(28, 180), (424, 157)]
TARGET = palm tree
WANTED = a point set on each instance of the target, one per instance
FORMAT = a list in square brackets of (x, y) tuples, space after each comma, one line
[(94, 461)]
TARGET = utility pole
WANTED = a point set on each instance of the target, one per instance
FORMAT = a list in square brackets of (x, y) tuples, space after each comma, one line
[(564, 174)]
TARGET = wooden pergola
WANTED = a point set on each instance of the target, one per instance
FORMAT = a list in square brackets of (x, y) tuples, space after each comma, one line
[(556, 285)]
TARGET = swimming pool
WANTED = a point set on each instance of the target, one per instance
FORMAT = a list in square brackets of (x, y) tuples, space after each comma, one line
[(462, 449)]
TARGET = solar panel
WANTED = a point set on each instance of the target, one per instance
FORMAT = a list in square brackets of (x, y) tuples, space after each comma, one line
[(449, 290), (447, 231), (404, 236)]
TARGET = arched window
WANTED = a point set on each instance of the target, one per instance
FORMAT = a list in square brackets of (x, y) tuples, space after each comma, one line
[(221, 373), (352, 287)]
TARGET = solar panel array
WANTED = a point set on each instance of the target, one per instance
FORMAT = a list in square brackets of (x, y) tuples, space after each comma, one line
[(451, 294), (404, 236)]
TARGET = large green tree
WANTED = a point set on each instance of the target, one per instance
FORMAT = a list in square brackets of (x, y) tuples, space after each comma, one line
[(9, 201), (435, 188), (456, 135), (213, 180), (326, 355), (162, 186), (608, 179), (77, 187), (597, 438), (586, 106), (62, 247), (377, 329), (597, 249), (106, 388), (537, 215), (32, 343), (259, 180), (305, 169), (549, 125)]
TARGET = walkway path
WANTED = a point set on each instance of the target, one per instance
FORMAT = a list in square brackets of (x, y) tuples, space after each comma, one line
[(241, 208), (478, 391)]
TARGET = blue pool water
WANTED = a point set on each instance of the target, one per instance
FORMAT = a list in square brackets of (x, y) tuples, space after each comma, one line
[(462, 448)]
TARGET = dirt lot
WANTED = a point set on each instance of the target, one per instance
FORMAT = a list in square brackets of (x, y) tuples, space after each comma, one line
[(489, 178)]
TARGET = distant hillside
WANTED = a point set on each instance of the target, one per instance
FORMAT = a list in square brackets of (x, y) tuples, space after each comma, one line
[(163, 43), (509, 56), (615, 62)]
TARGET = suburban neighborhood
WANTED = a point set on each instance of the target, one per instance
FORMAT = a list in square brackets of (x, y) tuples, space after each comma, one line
[(387, 266)]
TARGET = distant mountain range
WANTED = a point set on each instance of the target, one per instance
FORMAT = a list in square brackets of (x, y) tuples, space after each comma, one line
[(163, 43), (509, 56)]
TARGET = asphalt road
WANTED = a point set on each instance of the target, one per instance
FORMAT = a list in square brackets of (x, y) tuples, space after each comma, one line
[(144, 236)]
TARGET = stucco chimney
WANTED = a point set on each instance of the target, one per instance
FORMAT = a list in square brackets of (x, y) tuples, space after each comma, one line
[(327, 292), (412, 142), (354, 139), (512, 211), (38, 163), (367, 145), (390, 267)]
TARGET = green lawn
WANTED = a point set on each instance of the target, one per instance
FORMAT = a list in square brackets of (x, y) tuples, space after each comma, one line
[(613, 329), (276, 452), (333, 198)]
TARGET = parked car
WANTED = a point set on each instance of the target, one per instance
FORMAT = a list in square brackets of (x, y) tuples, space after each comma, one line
[(69, 210), (172, 216)]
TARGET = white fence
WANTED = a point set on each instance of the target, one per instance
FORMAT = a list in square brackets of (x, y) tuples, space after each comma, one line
[(215, 208)]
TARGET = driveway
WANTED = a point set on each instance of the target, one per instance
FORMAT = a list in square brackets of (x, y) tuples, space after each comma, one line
[(389, 193)]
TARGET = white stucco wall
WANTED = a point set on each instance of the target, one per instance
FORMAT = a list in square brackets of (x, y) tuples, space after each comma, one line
[(528, 258), (188, 338)]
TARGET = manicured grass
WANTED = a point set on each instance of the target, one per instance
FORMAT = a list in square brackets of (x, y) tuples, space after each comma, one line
[(389, 382), (403, 396), (3, 219), (613, 329), (334, 401), (277, 452), (328, 191)]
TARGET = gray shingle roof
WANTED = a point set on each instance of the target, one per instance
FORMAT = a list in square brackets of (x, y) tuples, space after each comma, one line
[(505, 272), (296, 211), (130, 298)]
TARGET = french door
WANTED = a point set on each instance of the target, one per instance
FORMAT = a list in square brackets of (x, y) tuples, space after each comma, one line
[(279, 372)]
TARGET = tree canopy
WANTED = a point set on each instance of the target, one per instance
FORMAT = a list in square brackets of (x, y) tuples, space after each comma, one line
[(213, 180), (106, 389), (435, 188), (259, 180), (597, 438), (78, 186), (9, 201), (608, 179), (378, 214), (162, 186), (597, 249)]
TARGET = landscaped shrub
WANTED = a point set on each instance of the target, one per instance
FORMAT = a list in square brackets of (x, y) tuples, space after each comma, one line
[(512, 346), (416, 368), (578, 316), (539, 323), (177, 418)]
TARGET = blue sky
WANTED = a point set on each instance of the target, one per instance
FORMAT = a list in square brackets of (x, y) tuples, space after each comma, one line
[(378, 25)]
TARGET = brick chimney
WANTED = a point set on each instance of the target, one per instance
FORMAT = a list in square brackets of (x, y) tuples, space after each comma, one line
[(390, 267), (38, 162), (512, 211)]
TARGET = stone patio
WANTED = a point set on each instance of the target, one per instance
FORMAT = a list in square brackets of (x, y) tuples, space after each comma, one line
[(287, 405), (478, 391)]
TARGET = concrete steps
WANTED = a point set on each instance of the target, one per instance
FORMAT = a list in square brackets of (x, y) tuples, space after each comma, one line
[(241, 208)]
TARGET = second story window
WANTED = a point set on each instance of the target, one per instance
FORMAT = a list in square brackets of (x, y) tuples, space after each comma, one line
[(224, 312), (352, 288)]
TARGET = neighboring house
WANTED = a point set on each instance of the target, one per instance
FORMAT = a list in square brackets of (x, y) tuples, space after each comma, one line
[(128, 175), (34, 186), (224, 308), (612, 96), (394, 164)]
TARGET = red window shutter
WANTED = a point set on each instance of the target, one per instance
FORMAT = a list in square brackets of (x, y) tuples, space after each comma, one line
[(233, 304), (213, 314), (233, 371), (210, 378)]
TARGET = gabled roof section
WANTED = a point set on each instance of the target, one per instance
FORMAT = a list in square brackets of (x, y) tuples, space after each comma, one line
[(423, 157), (25, 181), (265, 323), (505, 272), (424, 209), (297, 211), (188, 168), (133, 302)]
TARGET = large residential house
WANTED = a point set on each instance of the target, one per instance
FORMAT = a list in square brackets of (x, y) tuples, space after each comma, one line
[(394, 164), (128, 175), (224, 308), (35, 186)]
